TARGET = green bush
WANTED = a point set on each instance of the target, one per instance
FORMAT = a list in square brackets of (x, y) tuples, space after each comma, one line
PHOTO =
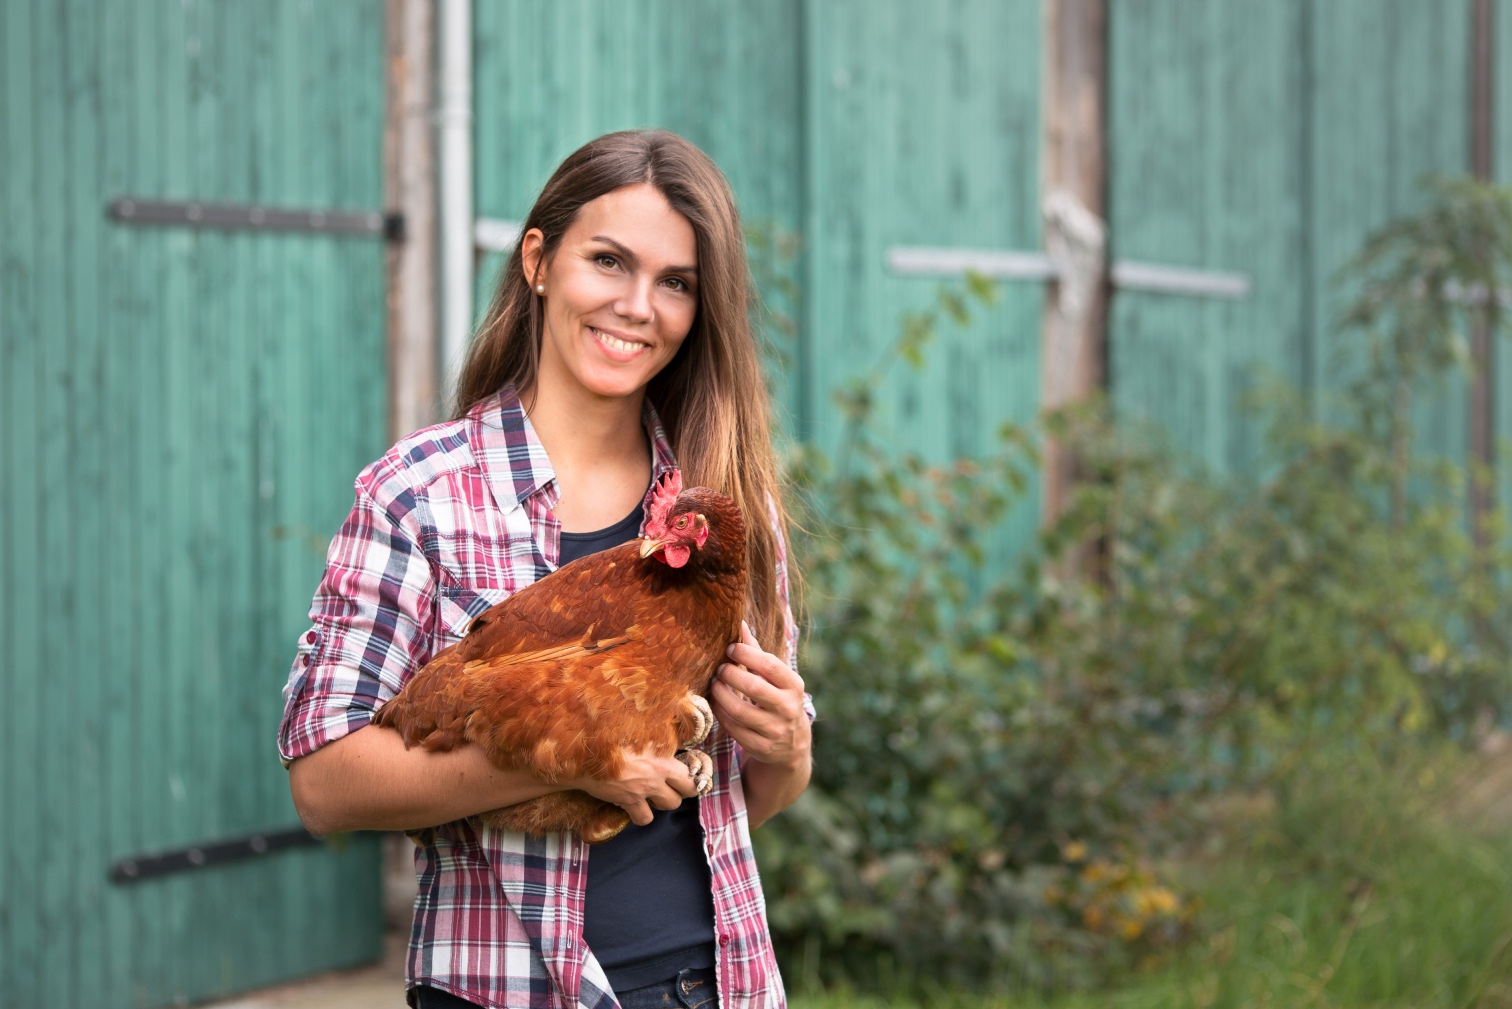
[(1001, 753)]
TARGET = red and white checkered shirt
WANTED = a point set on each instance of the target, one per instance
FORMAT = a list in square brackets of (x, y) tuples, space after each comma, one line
[(451, 520)]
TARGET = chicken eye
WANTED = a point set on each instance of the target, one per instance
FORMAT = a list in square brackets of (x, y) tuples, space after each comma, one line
[(682, 523)]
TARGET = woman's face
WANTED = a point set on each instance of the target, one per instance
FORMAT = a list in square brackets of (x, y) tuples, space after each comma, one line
[(621, 292)]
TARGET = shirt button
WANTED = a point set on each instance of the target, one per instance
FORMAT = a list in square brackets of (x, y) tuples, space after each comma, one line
[(310, 637), (724, 940)]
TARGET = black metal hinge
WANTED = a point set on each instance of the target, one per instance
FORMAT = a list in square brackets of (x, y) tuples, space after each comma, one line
[(251, 217), (163, 863)]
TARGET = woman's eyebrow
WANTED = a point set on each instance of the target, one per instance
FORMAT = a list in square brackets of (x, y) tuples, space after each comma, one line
[(635, 260)]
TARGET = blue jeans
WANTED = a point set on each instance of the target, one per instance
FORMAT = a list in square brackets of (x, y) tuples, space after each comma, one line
[(690, 989)]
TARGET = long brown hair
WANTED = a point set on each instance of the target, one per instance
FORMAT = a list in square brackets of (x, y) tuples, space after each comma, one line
[(712, 396)]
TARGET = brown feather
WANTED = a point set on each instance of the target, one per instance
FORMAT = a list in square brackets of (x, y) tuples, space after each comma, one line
[(596, 658)]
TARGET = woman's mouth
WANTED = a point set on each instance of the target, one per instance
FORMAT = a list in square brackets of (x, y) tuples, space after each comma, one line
[(618, 348)]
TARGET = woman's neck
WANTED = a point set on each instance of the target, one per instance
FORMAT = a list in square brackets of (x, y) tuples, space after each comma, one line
[(598, 450)]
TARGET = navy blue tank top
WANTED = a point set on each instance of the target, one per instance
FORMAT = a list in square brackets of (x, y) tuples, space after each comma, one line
[(649, 910)]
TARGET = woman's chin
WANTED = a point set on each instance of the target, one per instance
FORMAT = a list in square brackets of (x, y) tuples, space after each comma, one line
[(617, 383)]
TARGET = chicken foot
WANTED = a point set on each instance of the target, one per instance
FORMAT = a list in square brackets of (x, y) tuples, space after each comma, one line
[(700, 768), (695, 720)]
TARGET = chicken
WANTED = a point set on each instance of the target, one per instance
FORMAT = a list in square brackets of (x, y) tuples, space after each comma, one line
[(614, 651)]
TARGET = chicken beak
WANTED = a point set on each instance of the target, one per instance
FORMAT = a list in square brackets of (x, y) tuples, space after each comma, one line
[(650, 546)]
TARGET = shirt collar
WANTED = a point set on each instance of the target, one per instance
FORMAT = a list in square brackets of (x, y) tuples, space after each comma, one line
[(513, 460)]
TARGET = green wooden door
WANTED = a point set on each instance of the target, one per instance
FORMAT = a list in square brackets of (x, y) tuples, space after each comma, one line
[(1268, 139), (180, 415), (548, 77), (855, 125), (922, 128)]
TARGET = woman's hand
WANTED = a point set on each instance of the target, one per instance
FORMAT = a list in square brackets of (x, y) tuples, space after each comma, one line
[(758, 699), (645, 780)]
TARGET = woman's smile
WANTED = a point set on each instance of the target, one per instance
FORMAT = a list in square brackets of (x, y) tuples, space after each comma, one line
[(618, 348), (619, 293)]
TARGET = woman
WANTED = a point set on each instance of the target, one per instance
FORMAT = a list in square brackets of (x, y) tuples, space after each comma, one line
[(616, 348)]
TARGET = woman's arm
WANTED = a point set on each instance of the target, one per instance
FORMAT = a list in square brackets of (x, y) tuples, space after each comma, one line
[(758, 699), (368, 781)]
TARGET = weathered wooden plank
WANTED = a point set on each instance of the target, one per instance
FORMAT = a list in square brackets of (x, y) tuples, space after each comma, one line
[(121, 598), (1267, 139), (1205, 128), (1501, 164), (20, 377), (57, 503), (922, 128), (81, 226), (1383, 121), (1073, 351)]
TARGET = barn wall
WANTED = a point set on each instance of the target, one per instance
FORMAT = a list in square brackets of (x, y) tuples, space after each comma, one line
[(922, 126), (550, 77), (183, 411), (180, 416), (856, 125), (1269, 139)]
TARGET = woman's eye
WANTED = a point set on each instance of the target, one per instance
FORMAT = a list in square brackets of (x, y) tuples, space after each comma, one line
[(605, 260), (678, 284)]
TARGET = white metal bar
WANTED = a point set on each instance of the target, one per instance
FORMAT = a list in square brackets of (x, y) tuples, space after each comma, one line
[(490, 234), (1179, 280), (454, 126), (1036, 266), (933, 262)]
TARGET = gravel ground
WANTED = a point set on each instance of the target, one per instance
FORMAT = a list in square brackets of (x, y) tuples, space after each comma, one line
[(380, 986)]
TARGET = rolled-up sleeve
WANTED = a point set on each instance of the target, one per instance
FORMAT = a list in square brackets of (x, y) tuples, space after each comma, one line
[(371, 622), (784, 598)]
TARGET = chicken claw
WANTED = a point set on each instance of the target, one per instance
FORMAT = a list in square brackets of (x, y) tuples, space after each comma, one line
[(701, 767), (695, 720)]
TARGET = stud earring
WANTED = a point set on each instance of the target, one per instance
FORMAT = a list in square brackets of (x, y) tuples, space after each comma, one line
[(540, 289)]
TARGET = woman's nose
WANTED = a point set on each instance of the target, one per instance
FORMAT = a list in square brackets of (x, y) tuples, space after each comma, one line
[(635, 302)]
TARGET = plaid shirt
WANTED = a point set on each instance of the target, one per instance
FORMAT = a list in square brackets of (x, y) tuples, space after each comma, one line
[(451, 520)]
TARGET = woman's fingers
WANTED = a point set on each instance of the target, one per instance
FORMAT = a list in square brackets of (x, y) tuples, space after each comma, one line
[(759, 699), (748, 653), (758, 690), (646, 782)]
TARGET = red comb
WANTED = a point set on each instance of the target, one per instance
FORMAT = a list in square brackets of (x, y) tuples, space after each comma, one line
[(662, 500)]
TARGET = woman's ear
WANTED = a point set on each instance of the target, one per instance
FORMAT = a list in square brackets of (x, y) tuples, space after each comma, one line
[(530, 257)]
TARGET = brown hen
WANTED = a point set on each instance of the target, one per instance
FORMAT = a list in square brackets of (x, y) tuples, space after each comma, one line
[(612, 652)]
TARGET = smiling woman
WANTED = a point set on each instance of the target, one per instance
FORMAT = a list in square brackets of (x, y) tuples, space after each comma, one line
[(616, 314), (616, 351)]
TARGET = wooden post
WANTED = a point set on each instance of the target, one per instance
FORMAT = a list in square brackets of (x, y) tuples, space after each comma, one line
[(1073, 346), (1482, 340), (409, 187)]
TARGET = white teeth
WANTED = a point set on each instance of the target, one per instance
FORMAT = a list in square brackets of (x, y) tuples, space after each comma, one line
[(616, 342)]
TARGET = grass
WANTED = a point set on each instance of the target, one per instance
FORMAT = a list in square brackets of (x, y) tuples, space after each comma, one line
[(1356, 886)]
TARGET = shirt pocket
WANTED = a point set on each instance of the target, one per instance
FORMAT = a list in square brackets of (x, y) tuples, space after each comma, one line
[(457, 606)]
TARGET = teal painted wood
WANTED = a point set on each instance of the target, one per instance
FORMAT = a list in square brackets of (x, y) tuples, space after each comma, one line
[(1392, 106), (183, 414), (550, 77), (1268, 139), (922, 127), (857, 125), (20, 891), (1502, 172)]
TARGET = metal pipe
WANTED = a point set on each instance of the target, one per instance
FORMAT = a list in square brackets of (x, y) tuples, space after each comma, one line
[(454, 148)]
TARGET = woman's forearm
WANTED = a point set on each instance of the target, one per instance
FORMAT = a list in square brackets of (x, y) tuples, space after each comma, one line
[(771, 788), (369, 781)]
